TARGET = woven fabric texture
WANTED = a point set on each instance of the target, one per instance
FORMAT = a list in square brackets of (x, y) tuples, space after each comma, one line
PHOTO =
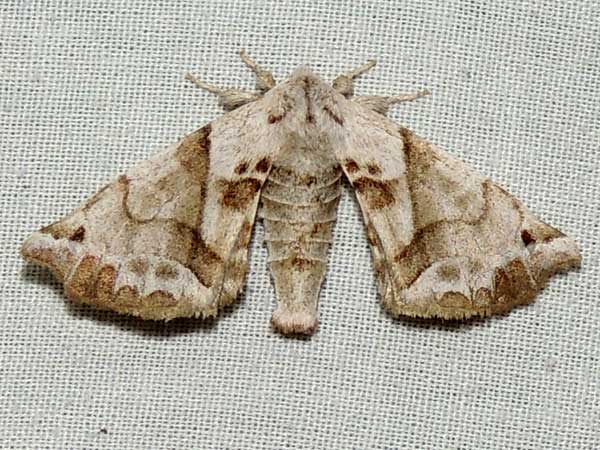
[(87, 88)]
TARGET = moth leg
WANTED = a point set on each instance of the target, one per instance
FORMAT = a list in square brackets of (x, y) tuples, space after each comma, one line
[(344, 83), (264, 78), (229, 98), (382, 103)]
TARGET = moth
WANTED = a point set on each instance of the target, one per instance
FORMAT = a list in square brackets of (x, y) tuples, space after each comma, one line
[(169, 238)]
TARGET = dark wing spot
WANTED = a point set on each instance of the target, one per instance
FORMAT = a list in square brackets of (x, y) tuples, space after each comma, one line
[(165, 272), (377, 194), (374, 169), (239, 194), (541, 232), (241, 168), (263, 165), (274, 118), (527, 238), (78, 235), (351, 166), (138, 266)]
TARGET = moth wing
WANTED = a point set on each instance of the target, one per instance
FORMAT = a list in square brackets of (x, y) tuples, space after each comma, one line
[(168, 238), (446, 241)]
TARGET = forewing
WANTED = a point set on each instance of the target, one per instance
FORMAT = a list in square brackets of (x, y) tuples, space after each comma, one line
[(169, 237), (446, 241)]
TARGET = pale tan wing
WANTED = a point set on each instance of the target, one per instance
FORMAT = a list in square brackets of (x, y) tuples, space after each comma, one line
[(446, 241), (168, 238)]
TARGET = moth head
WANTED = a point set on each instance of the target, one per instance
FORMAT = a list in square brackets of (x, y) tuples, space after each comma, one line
[(306, 83)]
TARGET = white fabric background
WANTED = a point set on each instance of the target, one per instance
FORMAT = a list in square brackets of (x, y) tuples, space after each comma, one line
[(89, 87)]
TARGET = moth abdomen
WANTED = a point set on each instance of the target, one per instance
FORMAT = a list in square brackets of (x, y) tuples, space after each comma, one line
[(298, 215)]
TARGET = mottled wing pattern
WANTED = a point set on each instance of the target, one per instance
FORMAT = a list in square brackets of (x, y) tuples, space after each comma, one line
[(168, 238), (446, 241)]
